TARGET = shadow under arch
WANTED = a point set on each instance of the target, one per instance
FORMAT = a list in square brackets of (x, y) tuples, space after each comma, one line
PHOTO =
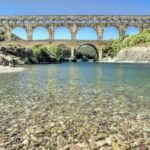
[(66, 51), (132, 30), (40, 33), (86, 33), (19, 33), (62, 33), (85, 46), (110, 33)]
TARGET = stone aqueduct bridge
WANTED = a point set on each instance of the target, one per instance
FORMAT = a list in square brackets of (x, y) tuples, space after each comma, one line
[(74, 23)]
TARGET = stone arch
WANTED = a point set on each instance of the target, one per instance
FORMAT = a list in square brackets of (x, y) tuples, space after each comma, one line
[(69, 21), (91, 45), (18, 22), (10, 21), (118, 21), (47, 21), (97, 21), (90, 21), (4, 21), (40, 21), (111, 21), (20, 32), (55, 21), (25, 21), (84, 21), (147, 21), (87, 33), (110, 33), (126, 21), (133, 21), (62, 21), (62, 33), (32, 21), (40, 33), (132, 30), (103, 21)]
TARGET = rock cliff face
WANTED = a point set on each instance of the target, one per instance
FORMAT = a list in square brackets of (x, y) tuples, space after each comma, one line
[(15, 55), (134, 54)]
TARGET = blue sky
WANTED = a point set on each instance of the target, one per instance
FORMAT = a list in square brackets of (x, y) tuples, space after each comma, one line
[(76, 7)]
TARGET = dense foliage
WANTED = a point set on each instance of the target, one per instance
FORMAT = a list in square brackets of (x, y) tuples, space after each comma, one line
[(52, 51), (55, 51)]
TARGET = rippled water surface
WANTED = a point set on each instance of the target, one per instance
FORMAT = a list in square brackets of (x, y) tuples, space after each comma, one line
[(55, 106)]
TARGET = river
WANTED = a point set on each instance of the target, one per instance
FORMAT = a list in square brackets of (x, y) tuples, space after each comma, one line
[(88, 104)]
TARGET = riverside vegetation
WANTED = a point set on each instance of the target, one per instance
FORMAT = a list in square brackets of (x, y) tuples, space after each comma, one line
[(115, 46)]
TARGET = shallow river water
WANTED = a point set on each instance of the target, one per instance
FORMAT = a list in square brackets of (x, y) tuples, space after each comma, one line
[(83, 106)]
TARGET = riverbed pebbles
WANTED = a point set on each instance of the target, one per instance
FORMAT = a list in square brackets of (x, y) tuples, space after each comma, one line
[(76, 121)]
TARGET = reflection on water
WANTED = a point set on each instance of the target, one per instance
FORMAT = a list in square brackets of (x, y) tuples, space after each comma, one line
[(91, 105)]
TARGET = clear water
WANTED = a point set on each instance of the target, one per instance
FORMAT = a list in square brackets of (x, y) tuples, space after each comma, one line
[(87, 99)]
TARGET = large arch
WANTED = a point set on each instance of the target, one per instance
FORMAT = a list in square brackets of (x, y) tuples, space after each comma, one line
[(91, 53), (40, 33), (110, 33), (20, 32), (62, 33), (86, 33), (133, 30)]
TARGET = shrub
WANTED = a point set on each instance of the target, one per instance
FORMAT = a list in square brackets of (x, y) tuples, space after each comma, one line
[(55, 51), (37, 51)]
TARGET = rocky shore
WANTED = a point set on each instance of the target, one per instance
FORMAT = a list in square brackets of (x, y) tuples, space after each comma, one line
[(15, 55), (8, 69)]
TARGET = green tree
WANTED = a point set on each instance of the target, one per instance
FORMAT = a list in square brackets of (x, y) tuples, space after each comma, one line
[(55, 51), (37, 51)]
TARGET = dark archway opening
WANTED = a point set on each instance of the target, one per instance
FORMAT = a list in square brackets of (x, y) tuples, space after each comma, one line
[(66, 52), (87, 52)]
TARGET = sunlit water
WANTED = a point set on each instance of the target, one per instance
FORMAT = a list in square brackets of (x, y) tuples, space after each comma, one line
[(70, 103)]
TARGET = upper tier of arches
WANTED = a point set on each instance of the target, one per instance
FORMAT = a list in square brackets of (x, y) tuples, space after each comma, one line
[(75, 20), (65, 33)]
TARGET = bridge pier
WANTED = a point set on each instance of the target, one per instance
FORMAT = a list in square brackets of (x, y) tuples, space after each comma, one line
[(8, 33), (72, 58), (122, 32), (51, 33), (99, 56), (100, 33), (29, 33), (72, 52)]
